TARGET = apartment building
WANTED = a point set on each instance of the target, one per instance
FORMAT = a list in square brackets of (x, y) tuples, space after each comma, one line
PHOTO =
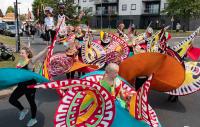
[(139, 12)]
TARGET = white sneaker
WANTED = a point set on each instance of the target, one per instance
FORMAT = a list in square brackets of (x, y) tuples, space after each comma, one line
[(31, 122), (22, 114)]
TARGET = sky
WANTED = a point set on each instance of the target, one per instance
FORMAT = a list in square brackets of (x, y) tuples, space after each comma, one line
[(23, 7)]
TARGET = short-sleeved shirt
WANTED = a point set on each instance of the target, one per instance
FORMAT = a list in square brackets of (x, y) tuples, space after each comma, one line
[(49, 22)]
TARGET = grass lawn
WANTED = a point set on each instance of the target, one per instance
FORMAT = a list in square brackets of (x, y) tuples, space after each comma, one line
[(9, 63), (9, 41), (173, 33)]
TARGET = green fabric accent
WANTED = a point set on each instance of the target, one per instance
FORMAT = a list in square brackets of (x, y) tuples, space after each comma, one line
[(166, 34), (131, 54), (106, 85), (84, 106), (122, 103), (22, 62), (40, 72)]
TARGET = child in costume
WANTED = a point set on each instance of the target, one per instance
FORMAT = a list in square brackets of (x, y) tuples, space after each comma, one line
[(49, 24), (27, 62)]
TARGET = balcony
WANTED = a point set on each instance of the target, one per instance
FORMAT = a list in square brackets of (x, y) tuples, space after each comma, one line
[(106, 12), (151, 9), (151, 0), (105, 1), (151, 12)]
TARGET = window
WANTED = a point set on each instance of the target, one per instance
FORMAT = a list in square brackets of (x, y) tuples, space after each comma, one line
[(133, 6), (100, 10), (152, 8), (91, 0), (112, 10), (90, 9), (166, 5), (124, 7), (84, 0)]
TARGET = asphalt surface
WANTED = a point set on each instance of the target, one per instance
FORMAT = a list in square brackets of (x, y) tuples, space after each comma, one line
[(186, 112)]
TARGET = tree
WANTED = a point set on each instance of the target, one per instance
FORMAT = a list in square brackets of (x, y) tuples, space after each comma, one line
[(10, 9), (87, 17), (22, 17), (1, 14), (39, 5), (38, 9), (183, 9)]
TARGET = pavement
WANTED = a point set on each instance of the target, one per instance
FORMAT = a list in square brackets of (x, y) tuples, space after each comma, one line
[(186, 112)]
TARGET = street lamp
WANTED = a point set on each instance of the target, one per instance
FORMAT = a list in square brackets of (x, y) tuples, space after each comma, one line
[(17, 26), (101, 14), (172, 20), (101, 32)]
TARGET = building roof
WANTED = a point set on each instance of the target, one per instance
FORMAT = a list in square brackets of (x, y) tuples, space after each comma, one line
[(9, 17)]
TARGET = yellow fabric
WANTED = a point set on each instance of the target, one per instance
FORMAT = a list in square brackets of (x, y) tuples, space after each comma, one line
[(154, 42), (132, 105), (189, 74), (77, 65), (101, 35), (45, 70), (183, 49), (91, 110)]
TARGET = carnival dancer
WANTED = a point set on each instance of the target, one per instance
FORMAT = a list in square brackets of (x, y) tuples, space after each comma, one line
[(109, 78), (79, 34), (62, 18), (49, 24), (139, 46), (120, 29), (113, 84), (27, 62), (148, 33), (132, 33), (121, 32), (72, 50), (71, 31)]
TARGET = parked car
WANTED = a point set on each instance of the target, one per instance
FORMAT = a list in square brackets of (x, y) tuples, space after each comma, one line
[(11, 31), (2, 27)]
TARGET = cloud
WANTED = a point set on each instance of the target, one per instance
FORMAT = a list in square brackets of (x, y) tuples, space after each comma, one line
[(23, 7)]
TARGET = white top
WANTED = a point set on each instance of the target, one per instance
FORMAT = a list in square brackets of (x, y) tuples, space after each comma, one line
[(49, 23), (61, 19), (61, 23)]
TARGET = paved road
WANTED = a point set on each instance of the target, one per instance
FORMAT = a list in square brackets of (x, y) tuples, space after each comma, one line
[(184, 113)]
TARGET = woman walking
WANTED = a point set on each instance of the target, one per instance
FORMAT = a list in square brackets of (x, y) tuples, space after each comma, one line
[(27, 62)]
